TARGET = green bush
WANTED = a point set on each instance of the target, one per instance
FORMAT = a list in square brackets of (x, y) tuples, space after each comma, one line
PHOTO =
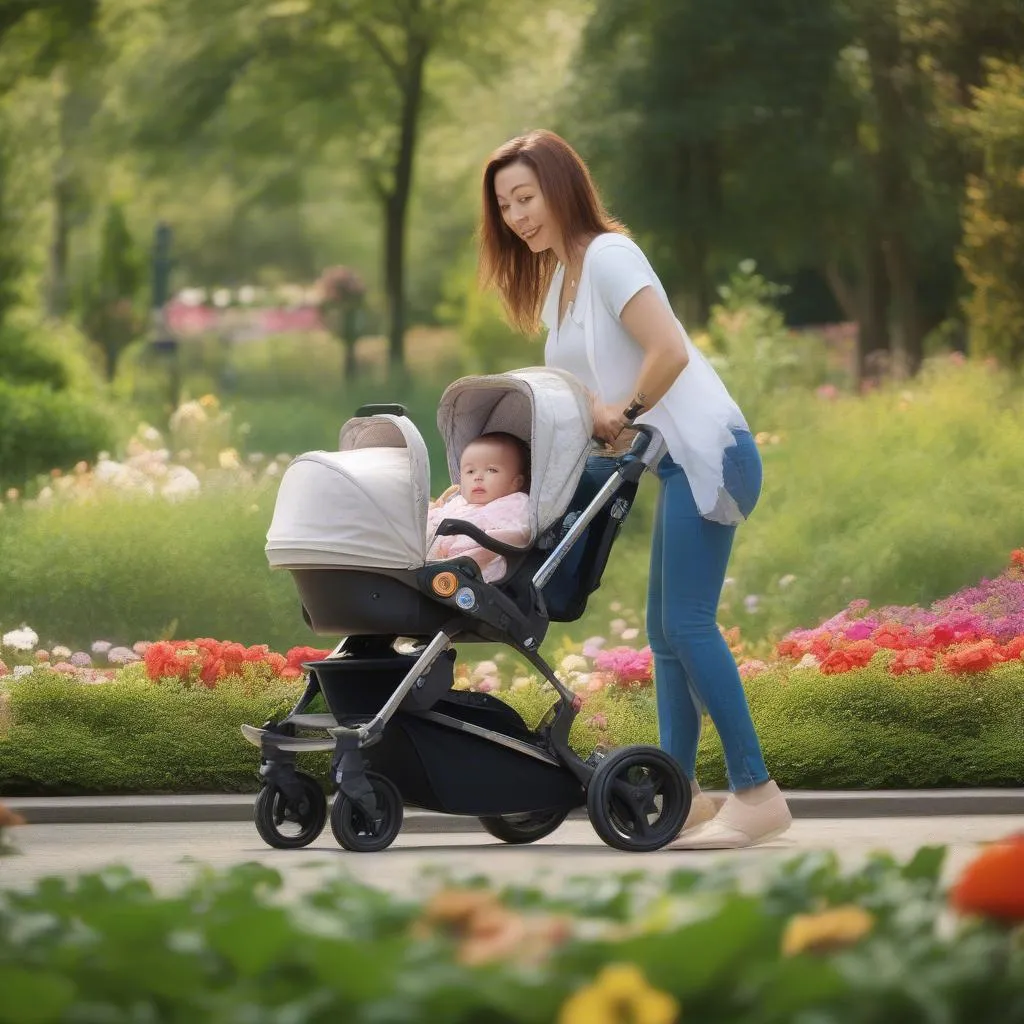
[(42, 429), (131, 568), (23, 363), (861, 730), (132, 737)]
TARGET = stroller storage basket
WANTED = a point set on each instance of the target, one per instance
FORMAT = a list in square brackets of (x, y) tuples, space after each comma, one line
[(358, 687)]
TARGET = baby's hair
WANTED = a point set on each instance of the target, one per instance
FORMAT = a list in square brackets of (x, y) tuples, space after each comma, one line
[(521, 447)]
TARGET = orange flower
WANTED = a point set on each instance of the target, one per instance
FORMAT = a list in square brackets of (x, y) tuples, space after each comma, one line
[(992, 885), (821, 645), (892, 636), (788, 648), (976, 657), (836, 663), (1017, 558), (1014, 649), (8, 819), (860, 652), (913, 660)]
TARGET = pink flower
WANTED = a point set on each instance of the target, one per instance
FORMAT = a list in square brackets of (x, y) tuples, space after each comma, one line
[(598, 721), (592, 646), (627, 666), (4, 670), (751, 668), (488, 685)]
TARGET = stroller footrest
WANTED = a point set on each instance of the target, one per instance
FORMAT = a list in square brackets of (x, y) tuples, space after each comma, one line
[(323, 721), (270, 742)]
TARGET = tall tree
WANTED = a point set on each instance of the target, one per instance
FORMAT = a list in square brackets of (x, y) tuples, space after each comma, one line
[(300, 75)]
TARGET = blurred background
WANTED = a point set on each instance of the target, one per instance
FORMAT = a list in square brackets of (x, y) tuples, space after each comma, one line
[(225, 224)]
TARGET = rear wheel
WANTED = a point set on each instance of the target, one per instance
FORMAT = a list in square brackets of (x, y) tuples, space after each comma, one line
[(352, 827), (524, 828), (287, 824), (638, 799)]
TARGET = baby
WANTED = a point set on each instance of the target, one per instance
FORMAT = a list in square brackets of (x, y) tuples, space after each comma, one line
[(492, 495)]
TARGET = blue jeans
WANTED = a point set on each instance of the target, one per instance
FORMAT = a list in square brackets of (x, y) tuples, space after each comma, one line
[(693, 667)]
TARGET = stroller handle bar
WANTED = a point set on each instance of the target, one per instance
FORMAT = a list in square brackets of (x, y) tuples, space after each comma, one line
[(644, 454)]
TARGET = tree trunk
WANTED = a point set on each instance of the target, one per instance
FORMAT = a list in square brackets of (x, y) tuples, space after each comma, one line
[(890, 67), (396, 203)]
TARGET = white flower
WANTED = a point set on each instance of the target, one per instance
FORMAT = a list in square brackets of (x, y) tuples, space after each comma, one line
[(615, 606), (574, 663), (630, 634), (45, 496), (751, 602), (521, 683), (180, 483), (60, 653), (101, 647), (151, 434), (808, 661), (484, 668), (23, 639), (728, 581), (616, 626), (20, 671), (785, 581)]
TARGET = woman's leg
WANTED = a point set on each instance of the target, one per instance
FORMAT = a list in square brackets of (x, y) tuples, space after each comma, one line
[(679, 712), (694, 556)]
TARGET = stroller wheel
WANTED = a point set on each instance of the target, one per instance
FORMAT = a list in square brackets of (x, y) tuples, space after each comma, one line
[(524, 828), (286, 825), (354, 831), (638, 799)]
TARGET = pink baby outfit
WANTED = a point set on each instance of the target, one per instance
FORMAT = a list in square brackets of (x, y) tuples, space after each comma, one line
[(505, 519)]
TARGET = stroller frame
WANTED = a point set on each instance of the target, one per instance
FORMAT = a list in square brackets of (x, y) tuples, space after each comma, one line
[(367, 813)]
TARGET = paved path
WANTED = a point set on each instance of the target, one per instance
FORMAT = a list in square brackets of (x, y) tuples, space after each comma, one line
[(166, 852)]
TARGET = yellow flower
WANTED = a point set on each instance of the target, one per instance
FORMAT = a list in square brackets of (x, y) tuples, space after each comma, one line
[(827, 930), (228, 459), (620, 994), (209, 402)]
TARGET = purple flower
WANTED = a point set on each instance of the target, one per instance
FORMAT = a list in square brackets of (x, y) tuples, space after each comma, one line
[(81, 660), (122, 656)]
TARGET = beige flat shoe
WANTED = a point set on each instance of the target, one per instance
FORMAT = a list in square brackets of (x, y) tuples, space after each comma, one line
[(702, 809), (740, 824)]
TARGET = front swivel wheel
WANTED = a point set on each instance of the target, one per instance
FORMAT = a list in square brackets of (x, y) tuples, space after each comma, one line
[(638, 799), (291, 822), (353, 827)]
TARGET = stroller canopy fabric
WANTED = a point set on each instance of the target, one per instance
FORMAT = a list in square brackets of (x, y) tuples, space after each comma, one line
[(547, 408), (365, 506)]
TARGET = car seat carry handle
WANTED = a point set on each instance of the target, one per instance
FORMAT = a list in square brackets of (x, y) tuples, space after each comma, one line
[(394, 409), (455, 527)]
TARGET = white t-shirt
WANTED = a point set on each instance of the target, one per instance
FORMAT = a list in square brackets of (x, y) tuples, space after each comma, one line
[(696, 416)]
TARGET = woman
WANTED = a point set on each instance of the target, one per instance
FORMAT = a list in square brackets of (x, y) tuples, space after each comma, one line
[(557, 258)]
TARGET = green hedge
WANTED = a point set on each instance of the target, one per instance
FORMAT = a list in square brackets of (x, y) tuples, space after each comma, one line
[(42, 429), (860, 730)]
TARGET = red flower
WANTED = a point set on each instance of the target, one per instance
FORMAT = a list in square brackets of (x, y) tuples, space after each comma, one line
[(1017, 558), (837, 662), (860, 652), (891, 636), (1014, 649), (913, 660), (941, 635), (978, 657), (992, 885), (821, 645), (789, 648)]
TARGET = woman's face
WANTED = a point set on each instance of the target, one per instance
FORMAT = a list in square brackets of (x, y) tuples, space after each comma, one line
[(523, 208)]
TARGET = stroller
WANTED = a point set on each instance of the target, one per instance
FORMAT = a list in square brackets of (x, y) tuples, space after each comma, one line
[(350, 526)]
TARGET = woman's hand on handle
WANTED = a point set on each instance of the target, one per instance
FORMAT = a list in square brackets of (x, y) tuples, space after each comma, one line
[(609, 421)]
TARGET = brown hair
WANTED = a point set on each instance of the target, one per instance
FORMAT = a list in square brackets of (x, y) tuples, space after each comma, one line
[(522, 277)]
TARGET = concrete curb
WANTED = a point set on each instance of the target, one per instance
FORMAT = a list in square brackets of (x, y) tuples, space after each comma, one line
[(98, 810)]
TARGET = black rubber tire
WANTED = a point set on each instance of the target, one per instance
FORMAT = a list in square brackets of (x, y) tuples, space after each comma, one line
[(524, 828), (272, 809), (622, 794), (349, 824)]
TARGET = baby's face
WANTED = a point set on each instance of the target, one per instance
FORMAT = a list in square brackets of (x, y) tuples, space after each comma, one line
[(489, 470)]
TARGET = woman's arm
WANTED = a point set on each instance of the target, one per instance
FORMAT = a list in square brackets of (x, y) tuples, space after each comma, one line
[(653, 327)]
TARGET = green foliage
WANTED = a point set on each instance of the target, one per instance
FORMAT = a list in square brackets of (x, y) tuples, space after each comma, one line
[(229, 945), (133, 737), (135, 568), (757, 356), (23, 363), (861, 730), (41, 429), (992, 250), (107, 301)]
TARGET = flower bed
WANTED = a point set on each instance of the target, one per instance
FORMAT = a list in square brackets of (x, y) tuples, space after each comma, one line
[(885, 942), (889, 698)]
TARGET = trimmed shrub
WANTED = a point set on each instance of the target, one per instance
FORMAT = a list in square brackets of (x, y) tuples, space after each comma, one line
[(861, 730), (130, 736), (41, 429)]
